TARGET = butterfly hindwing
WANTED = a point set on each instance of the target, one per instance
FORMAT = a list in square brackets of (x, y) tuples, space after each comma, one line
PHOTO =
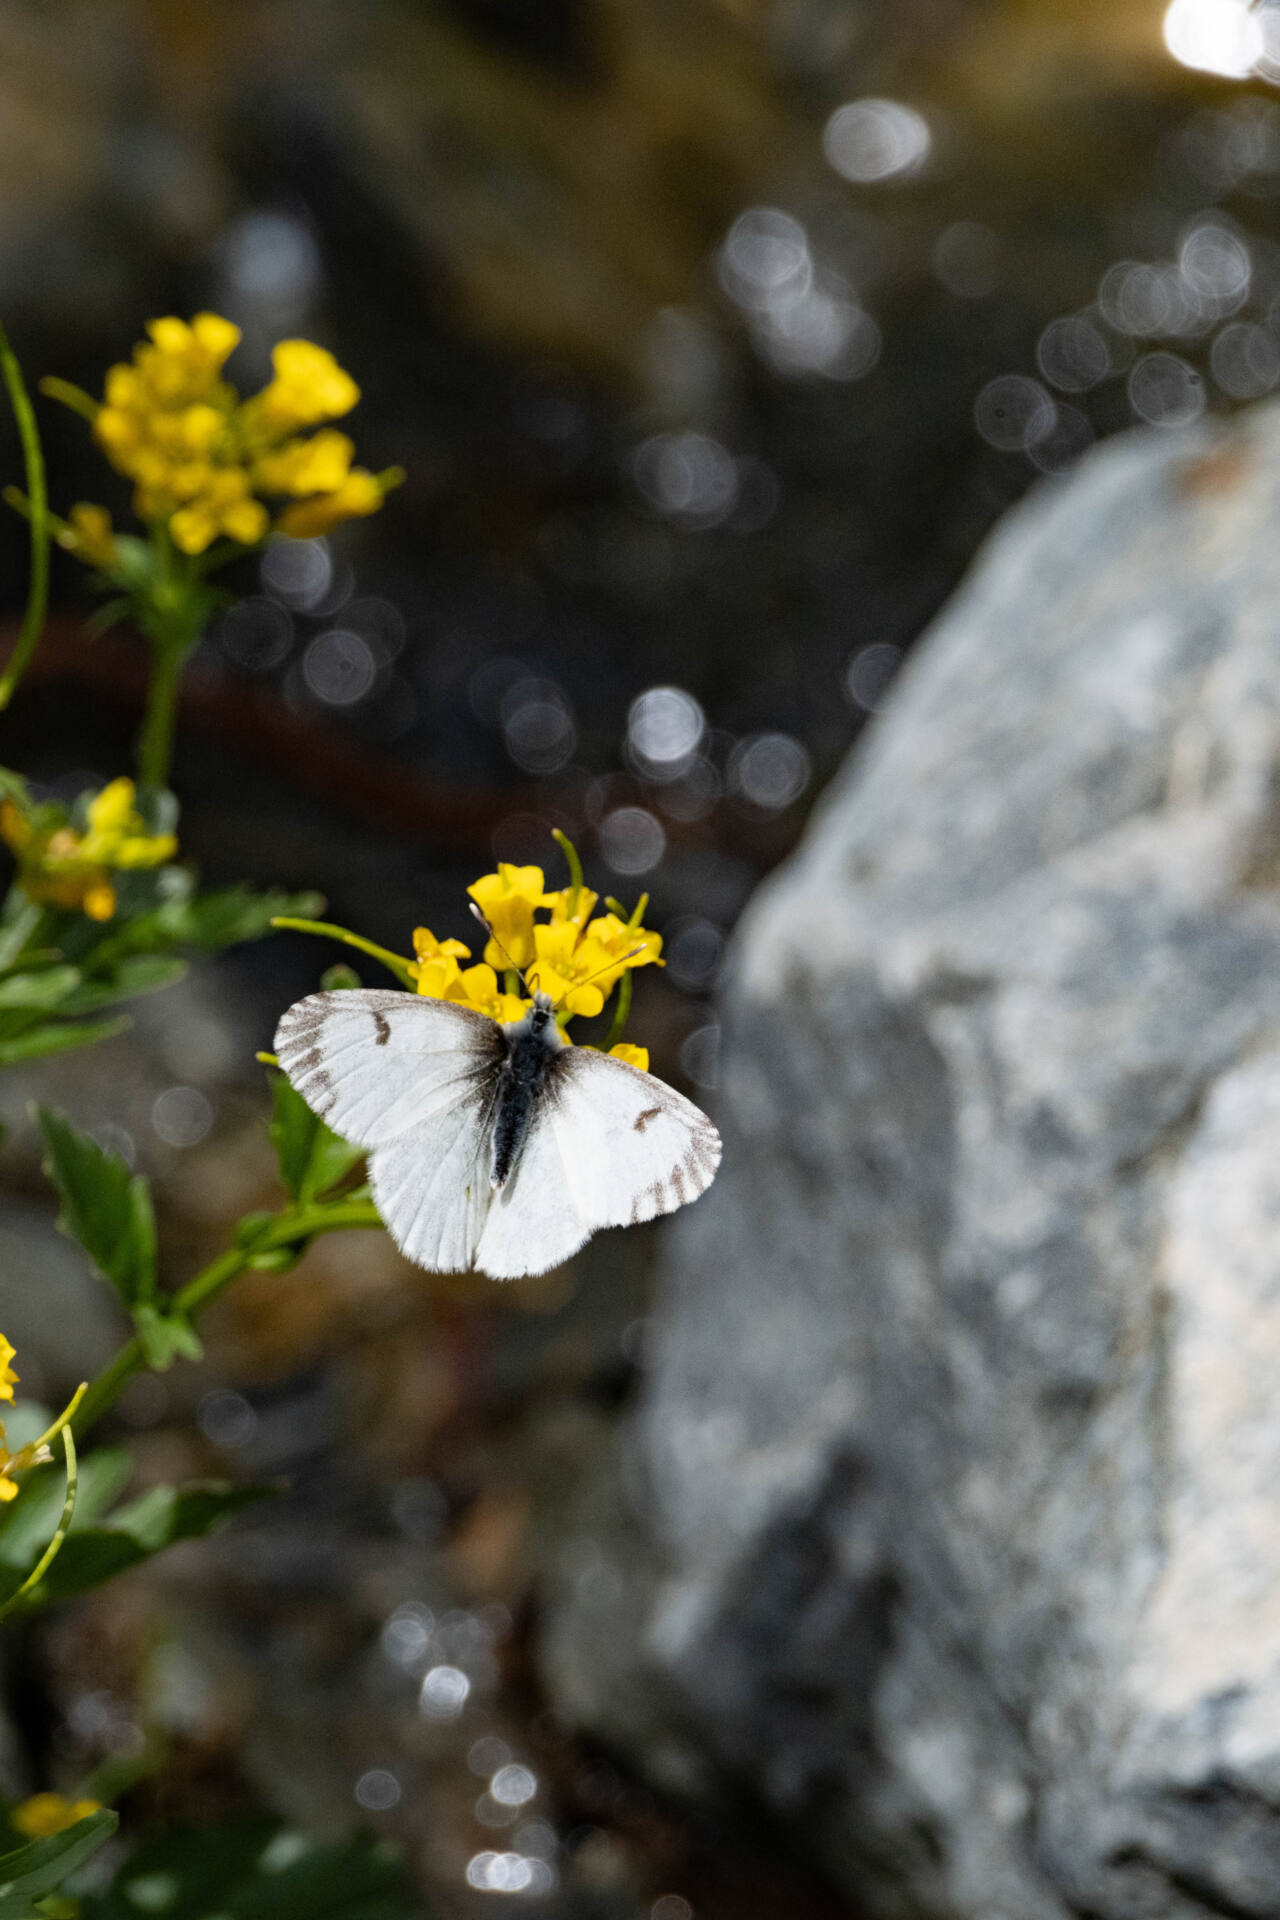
[(431, 1186), (374, 1063), (632, 1146), (534, 1222), (607, 1146)]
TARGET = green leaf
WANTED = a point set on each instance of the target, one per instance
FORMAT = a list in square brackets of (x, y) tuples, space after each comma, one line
[(56, 1037), (339, 978), (42, 1865), (41, 990), (105, 1207), (17, 930), (94, 1554), (138, 973), (312, 1158), (165, 1337), (250, 1870), (27, 1523), (216, 920)]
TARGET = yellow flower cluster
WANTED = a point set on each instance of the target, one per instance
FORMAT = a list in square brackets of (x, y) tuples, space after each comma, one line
[(45, 1814), (204, 461), (61, 867), (8, 1380), (576, 959)]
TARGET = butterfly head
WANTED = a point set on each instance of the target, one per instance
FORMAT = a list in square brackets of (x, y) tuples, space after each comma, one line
[(543, 1012)]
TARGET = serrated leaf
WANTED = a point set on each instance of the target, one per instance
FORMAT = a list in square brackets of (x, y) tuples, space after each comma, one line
[(105, 1207), (312, 1158), (57, 1037), (42, 1865), (160, 1518)]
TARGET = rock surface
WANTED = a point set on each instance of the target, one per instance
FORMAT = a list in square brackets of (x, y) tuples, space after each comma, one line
[(955, 1489)]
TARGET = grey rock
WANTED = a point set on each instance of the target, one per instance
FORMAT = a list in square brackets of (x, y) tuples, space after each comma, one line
[(955, 1489)]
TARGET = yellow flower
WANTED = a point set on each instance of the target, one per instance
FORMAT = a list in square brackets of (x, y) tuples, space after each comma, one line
[(59, 867), (478, 987), (507, 900), (318, 465), (359, 494), (309, 387), (8, 1378), (202, 460), (48, 1813), (625, 945), (572, 970), (437, 965), (561, 904), (117, 834), (88, 535), (634, 1056)]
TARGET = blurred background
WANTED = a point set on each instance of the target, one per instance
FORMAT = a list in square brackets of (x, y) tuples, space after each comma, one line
[(713, 336)]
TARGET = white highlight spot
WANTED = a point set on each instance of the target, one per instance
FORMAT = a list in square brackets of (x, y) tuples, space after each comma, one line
[(444, 1693), (871, 140), (1214, 36)]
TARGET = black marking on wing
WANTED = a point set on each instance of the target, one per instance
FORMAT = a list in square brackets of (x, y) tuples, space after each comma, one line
[(383, 1026), (642, 1120)]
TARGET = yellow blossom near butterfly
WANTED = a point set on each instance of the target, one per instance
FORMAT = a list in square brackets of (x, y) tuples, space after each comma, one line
[(571, 903), (45, 1814), (436, 967), (478, 987), (634, 1056), (208, 464), (508, 900), (62, 866)]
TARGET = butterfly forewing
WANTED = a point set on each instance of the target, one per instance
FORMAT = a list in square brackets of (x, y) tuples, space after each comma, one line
[(374, 1064)]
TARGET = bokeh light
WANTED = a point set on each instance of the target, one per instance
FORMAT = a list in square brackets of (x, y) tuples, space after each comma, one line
[(872, 140), (1217, 36)]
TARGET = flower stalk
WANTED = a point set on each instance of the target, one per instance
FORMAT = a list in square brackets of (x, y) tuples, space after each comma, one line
[(38, 518)]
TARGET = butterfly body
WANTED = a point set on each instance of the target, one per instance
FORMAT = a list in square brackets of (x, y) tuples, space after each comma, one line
[(498, 1147), (532, 1045)]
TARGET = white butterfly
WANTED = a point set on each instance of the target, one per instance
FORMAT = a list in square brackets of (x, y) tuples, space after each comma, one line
[(492, 1146)]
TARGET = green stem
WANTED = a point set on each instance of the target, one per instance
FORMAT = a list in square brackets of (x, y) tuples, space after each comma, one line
[(38, 585), (398, 966), (295, 1223), (155, 748), (621, 1008), (570, 853), (54, 1547), (71, 396)]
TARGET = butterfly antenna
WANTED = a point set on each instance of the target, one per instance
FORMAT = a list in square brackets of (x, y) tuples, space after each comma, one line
[(518, 971)]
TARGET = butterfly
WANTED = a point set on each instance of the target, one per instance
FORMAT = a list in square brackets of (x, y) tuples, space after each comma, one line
[(497, 1146)]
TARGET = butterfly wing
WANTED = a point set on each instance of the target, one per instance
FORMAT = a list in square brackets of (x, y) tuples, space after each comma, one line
[(374, 1063), (414, 1080), (431, 1186), (607, 1146)]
